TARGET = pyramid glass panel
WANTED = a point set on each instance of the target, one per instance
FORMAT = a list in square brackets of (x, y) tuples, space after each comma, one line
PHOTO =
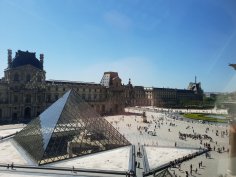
[(164, 173), (68, 128)]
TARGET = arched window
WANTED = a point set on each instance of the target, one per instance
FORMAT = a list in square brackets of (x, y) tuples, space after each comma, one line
[(15, 99), (27, 112), (28, 99), (97, 108), (56, 97), (89, 97), (16, 77), (48, 98), (83, 96), (28, 77), (14, 117), (103, 108)]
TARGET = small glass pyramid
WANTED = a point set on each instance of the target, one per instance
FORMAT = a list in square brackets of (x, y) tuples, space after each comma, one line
[(67, 129)]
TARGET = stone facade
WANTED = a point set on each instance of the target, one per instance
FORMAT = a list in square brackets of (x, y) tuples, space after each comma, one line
[(25, 92), (164, 97)]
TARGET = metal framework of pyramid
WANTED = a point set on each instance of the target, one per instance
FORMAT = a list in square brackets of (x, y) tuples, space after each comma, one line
[(67, 129), (164, 173)]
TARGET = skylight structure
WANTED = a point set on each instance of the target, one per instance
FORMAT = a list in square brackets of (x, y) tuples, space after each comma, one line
[(67, 129)]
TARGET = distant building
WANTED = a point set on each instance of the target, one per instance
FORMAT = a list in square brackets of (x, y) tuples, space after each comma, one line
[(25, 92), (164, 97)]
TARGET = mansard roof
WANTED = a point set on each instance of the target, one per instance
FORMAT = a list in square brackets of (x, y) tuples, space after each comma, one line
[(25, 58), (51, 81)]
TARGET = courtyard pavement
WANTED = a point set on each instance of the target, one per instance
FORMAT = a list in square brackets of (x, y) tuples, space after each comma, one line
[(163, 129)]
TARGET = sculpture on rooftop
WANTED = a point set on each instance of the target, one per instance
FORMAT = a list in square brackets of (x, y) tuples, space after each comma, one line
[(233, 65)]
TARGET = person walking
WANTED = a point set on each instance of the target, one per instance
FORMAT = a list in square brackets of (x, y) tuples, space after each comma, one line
[(191, 169)]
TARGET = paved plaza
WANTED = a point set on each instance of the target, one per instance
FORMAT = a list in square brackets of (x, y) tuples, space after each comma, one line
[(165, 135), (163, 129)]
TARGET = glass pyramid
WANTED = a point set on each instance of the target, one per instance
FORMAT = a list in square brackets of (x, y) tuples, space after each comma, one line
[(68, 128)]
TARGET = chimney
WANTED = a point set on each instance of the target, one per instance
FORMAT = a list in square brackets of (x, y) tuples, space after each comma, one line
[(41, 57), (9, 57)]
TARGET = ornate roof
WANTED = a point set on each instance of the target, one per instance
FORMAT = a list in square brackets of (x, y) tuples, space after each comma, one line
[(25, 58)]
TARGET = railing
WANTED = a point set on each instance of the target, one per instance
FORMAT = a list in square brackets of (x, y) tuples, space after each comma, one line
[(148, 171), (61, 169), (8, 136)]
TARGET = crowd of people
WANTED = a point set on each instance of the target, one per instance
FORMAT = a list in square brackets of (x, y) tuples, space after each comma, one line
[(168, 126)]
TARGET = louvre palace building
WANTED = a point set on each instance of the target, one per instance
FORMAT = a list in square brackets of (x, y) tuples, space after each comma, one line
[(25, 92)]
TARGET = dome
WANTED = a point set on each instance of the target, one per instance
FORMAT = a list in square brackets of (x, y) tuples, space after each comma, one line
[(25, 58)]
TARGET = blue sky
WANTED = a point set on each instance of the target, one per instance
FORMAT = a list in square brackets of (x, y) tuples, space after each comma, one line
[(160, 43)]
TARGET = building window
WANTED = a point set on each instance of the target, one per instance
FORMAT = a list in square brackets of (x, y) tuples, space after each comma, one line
[(83, 96), (15, 98), (56, 97), (39, 99), (48, 98), (89, 97), (28, 99), (28, 78), (16, 77)]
